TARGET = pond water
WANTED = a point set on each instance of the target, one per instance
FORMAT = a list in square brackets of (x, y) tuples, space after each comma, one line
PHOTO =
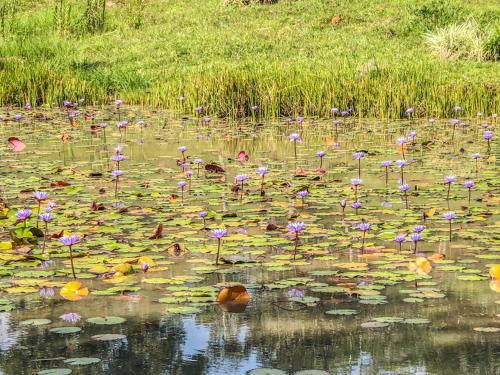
[(350, 303)]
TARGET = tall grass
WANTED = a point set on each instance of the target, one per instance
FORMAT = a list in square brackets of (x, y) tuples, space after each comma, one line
[(95, 15), (286, 58)]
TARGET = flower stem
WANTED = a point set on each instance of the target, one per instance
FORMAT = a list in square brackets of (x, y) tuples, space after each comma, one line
[(218, 251), (45, 234), (38, 213), (296, 245), (71, 259)]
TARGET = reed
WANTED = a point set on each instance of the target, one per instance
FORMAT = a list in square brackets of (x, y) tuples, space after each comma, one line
[(286, 58)]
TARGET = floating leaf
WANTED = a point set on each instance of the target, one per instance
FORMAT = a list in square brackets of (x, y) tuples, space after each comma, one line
[(35, 322), (182, 310), (106, 320), (416, 321), (374, 324), (73, 291), (266, 371), (109, 337), (65, 330), (342, 312), (55, 371), (487, 329), (83, 361), (15, 144)]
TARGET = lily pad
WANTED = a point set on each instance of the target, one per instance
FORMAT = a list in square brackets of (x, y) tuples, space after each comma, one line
[(182, 310), (266, 371), (487, 329), (106, 320), (342, 312), (55, 371), (374, 324), (65, 330), (83, 361), (109, 337), (35, 322)]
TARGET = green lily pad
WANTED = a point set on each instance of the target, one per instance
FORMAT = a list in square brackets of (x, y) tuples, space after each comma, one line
[(83, 361), (55, 371), (109, 337), (106, 320), (416, 321), (182, 310), (342, 312), (65, 330), (374, 324), (35, 322), (487, 329), (266, 371)]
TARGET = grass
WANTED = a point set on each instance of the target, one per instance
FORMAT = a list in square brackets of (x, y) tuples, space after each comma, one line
[(463, 41), (286, 57)]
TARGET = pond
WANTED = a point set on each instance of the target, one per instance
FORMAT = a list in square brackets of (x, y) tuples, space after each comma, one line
[(313, 238)]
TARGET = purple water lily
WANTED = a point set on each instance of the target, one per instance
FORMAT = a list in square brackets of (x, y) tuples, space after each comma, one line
[(70, 317), (399, 239), (296, 227), (218, 233), (70, 241)]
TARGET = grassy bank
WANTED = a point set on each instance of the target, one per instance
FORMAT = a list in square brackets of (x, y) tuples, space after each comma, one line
[(287, 58)]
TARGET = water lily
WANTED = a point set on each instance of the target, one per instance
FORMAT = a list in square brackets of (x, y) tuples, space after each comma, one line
[(296, 227), (218, 233), (70, 241)]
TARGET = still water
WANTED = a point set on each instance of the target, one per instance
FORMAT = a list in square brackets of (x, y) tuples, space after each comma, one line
[(424, 323)]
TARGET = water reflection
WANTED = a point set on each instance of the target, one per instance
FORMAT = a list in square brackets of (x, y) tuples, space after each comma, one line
[(263, 334)]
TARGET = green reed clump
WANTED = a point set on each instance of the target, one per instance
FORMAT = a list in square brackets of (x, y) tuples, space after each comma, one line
[(491, 44), (8, 10), (95, 14)]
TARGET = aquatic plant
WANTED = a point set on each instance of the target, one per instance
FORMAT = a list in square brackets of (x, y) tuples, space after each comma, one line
[(302, 196), (476, 156), (448, 180), (23, 215), (198, 163), (262, 171), (357, 156), (415, 237), (45, 217), (39, 196), (487, 136), (294, 137), (399, 239), (203, 215), (404, 189), (320, 155), (240, 179), (363, 227), (469, 184), (356, 205), (449, 216), (218, 233), (386, 164), (295, 228), (182, 185), (70, 241), (356, 183), (343, 204), (182, 150)]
